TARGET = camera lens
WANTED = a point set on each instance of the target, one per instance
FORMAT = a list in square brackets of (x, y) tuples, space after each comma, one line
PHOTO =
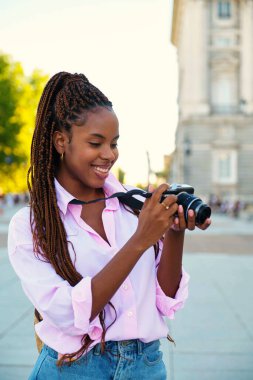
[(190, 202)]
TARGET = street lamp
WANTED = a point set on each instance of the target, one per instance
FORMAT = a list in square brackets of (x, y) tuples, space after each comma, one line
[(187, 153), (187, 146)]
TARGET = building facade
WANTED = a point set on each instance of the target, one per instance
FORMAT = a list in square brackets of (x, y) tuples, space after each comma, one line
[(214, 138)]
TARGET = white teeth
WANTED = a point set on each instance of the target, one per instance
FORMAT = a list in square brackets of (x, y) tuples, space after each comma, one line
[(101, 169)]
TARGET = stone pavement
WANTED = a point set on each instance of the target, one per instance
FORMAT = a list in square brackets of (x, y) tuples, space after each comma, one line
[(213, 333)]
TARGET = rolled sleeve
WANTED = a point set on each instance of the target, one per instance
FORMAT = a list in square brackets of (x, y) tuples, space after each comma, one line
[(62, 306), (168, 305), (82, 304)]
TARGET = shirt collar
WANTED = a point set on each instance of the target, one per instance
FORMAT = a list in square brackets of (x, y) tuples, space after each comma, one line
[(111, 186)]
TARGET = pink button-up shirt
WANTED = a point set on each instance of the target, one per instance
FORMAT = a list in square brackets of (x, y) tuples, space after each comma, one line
[(140, 302)]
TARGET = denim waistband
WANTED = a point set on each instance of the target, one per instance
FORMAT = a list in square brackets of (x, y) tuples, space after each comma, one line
[(132, 345)]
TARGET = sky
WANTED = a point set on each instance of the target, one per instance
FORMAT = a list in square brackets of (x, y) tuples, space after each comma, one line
[(123, 47)]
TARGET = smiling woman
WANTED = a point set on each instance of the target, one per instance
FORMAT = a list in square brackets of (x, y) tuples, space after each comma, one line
[(88, 153), (100, 275)]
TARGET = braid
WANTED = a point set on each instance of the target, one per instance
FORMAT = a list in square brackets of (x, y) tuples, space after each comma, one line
[(66, 99)]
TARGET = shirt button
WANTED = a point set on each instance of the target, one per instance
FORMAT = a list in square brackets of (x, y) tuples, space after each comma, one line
[(125, 287), (130, 313)]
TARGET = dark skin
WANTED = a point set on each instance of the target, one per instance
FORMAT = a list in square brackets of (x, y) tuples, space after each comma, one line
[(89, 153), (92, 215)]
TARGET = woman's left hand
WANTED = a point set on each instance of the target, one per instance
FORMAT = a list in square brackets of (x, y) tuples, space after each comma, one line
[(180, 223)]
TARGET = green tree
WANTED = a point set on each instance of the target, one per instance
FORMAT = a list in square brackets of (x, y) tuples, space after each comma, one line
[(19, 96), (11, 76), (121, 175)]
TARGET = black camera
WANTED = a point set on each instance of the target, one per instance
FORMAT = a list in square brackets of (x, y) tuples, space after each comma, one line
[(184, 194), (189, 201)]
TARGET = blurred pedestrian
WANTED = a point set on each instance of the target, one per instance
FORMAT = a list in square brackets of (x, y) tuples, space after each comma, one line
[(236, 208)]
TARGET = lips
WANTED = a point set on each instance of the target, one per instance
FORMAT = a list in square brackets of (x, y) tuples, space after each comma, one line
[(101, 171)]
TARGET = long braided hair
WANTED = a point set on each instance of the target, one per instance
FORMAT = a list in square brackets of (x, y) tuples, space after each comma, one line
[(66, 99)]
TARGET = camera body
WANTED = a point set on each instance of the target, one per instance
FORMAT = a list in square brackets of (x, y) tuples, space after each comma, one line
[(176, 188), (189, 201)]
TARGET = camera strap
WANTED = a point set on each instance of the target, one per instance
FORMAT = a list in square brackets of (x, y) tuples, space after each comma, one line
[(126, 198)]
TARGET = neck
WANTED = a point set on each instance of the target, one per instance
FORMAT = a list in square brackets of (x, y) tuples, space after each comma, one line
[(77, 189)]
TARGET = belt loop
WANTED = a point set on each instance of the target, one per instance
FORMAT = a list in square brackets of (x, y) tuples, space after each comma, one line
[(97, 350), (139, 347)]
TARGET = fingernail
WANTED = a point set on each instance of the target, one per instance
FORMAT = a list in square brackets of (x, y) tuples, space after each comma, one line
[(191, 212), (180, 208)]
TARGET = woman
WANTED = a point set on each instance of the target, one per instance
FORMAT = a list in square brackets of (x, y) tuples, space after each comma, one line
[(100, 276)]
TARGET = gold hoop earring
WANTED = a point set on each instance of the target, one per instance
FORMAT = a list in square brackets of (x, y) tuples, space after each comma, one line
[(62, 155)]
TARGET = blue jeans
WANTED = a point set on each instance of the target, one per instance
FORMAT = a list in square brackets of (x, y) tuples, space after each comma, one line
[(124, 360)]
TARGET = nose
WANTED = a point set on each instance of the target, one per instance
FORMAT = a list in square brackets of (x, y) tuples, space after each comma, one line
[(108, 153)]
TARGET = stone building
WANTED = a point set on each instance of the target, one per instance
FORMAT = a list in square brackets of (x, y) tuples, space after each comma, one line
[(214, 139)]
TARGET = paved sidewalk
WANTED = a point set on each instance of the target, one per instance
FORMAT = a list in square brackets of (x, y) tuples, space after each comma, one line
[(214, 332)]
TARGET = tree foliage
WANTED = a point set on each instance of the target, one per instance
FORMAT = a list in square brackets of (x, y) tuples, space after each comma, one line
[(121, 175), (19, 96)]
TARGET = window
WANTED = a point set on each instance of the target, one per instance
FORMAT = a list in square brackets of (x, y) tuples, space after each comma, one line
[(224, 9), (225, 166), (224, 95)]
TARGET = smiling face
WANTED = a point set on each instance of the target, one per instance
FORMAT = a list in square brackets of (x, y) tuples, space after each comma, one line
[(89, 152)]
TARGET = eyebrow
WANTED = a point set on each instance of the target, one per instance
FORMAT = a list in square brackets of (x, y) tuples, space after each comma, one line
[(101, 136)]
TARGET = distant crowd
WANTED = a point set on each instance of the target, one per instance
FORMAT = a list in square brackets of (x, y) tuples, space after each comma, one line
[(231, 208), (11, 200)]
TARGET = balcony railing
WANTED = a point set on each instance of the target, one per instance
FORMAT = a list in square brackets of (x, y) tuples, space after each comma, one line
[(225, 109)]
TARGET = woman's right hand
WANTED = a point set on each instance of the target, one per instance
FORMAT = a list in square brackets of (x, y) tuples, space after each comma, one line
[(156, 218)]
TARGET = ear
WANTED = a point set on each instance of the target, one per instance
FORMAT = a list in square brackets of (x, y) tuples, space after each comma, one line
[(60, 139)]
